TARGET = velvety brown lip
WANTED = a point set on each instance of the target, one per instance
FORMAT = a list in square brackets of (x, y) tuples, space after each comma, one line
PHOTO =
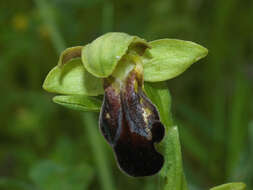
[(130, 123)]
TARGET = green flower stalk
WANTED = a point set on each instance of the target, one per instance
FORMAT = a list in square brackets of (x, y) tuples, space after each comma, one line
[(121, 68)]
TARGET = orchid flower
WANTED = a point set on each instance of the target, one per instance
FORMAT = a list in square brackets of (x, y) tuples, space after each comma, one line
[(120, 69)]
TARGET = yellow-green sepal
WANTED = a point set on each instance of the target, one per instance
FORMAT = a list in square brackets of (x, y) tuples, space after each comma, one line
[(101, 56), (70, 76), (168, 58)]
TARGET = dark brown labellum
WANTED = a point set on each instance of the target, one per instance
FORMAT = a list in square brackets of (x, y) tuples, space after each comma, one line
[(131, 125)]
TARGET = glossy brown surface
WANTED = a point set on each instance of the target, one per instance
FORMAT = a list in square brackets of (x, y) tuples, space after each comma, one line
[(130, 123)]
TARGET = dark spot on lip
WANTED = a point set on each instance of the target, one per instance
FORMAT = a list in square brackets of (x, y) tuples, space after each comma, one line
[(130, 124)]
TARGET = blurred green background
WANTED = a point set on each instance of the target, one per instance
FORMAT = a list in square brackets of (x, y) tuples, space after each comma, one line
[(46, 147)]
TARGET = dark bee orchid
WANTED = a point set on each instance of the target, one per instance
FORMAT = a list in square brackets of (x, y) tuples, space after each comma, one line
[(130, 124), (116, 65)]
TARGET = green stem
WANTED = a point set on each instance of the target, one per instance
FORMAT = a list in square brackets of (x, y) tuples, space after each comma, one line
[(99, 154)]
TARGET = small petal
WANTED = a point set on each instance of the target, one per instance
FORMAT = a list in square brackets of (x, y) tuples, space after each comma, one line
[(69, 54)]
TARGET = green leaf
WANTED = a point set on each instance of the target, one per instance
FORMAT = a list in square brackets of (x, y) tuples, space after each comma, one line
[(48, 175), (169, 58), (79, 102), (172, 175), (102, 56), (230, 186), (72, 78)]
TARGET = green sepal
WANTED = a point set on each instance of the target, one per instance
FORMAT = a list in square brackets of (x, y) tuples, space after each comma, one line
[(168, 58), (230, 186), (101, 56), (72, 78), (79, 102)]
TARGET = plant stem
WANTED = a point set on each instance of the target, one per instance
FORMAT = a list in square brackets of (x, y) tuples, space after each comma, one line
[(99, 154)]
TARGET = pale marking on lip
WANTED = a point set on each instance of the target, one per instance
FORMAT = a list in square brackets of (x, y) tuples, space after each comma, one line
[(107, 116), (146, 113)]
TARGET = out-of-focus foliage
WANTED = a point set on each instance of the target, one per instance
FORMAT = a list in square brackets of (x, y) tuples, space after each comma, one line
[(212, 101)]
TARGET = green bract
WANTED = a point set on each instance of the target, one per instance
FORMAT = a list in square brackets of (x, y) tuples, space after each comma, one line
[(172, 171)]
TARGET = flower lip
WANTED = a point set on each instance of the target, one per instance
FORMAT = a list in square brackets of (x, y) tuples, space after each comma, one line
[(130, 124)]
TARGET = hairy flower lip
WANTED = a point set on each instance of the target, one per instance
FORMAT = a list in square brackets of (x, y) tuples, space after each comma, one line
[(131, 125)]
